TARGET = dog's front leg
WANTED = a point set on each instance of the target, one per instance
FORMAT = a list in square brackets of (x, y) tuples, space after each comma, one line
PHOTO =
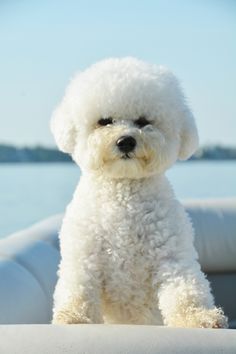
[(77, 300), (185, 298), (77, 297)]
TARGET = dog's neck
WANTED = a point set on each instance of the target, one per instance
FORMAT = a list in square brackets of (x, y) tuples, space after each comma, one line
[(127, 186)]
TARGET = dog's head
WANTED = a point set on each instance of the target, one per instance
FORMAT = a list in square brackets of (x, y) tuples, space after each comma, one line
[(126, 119)]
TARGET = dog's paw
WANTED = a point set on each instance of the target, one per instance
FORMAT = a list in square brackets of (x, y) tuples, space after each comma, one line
[(77, 311), (66, 316), (213, 318), (200, 318)]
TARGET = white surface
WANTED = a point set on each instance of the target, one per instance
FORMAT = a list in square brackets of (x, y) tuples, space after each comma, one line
[(28, 265), (215, 233), (102, 339)]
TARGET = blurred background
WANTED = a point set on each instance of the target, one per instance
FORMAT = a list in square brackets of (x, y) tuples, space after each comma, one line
[(44, 43)]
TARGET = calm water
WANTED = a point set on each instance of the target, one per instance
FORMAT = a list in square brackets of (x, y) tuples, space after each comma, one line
[(30, 192)]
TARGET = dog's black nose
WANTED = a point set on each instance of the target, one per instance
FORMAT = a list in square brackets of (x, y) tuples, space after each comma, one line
[(126, 144)]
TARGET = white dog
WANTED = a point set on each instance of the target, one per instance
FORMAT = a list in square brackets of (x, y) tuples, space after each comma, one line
[(126, 242)]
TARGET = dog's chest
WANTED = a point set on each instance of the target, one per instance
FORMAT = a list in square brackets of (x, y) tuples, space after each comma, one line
[(129, 227), (134, 228), (131, 240)]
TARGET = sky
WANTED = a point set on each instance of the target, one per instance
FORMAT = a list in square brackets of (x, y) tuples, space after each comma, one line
[(44, 43)]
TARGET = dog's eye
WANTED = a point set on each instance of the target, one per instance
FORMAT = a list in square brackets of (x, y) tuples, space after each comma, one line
[(105, 121), (141, 122)]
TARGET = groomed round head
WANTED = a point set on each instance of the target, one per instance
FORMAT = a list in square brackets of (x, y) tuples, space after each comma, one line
[(126, 119)]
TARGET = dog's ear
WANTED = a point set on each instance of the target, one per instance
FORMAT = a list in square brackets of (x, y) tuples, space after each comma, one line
[(188, 135), (63, 128)]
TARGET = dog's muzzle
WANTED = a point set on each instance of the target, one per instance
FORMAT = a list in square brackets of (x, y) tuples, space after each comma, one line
[(126, 144)]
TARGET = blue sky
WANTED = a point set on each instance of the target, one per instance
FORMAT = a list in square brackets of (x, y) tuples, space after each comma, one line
[(43, 43)]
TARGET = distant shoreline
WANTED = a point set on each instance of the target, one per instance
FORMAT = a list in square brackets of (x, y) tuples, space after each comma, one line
[(36, 154), (40, 154)]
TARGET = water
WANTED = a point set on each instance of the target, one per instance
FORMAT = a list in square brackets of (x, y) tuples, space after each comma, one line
[(31, 192)]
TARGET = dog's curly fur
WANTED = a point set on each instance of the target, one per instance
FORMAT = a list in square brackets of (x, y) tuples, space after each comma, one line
[(126, 242)]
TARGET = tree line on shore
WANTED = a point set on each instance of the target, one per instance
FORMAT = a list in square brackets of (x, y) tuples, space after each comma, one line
[(10, 154)]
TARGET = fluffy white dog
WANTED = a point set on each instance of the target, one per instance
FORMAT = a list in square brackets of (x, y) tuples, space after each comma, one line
[(126, 242)]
